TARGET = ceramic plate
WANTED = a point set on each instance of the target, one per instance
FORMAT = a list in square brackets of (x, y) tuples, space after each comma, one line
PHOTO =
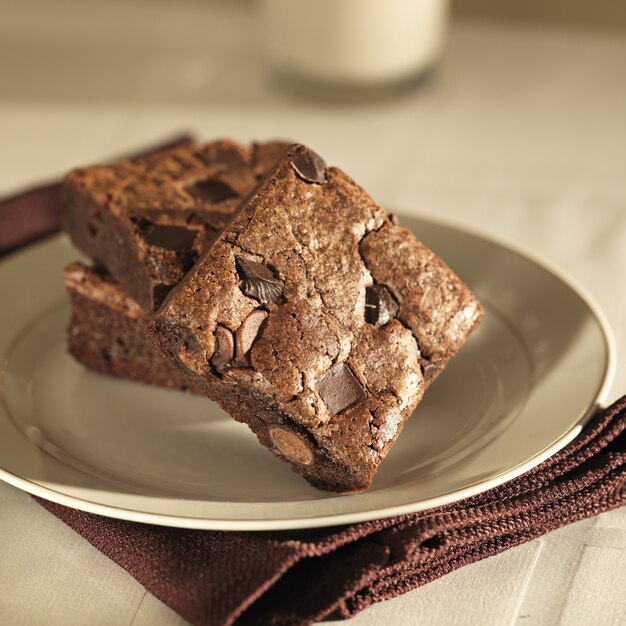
[(522, 387)]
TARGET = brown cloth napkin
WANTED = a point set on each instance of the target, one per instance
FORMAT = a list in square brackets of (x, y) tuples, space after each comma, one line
[(300, 577)]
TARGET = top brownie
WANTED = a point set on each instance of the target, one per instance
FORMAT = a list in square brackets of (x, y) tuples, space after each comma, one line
[(147, 219), (313, 318)]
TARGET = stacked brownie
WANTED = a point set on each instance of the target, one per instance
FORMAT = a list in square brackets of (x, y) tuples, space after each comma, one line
[(304, 311), (144, 222)]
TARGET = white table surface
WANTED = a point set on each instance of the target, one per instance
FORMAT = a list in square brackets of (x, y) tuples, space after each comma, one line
[(523, 133)]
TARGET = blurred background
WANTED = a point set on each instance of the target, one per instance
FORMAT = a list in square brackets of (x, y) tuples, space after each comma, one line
[(499, 112), (206, 51)]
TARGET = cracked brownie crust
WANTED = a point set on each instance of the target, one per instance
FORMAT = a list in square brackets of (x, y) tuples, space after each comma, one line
[(147, 219), (348, 310)]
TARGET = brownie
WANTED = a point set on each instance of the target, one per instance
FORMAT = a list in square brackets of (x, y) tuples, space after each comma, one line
[(318, 321), (107, 331), (147, 219)]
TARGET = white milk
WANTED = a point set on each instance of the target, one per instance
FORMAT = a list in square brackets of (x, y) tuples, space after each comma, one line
[(353, 42)]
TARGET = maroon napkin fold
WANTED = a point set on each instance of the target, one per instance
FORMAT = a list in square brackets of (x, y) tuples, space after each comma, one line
[(29, 216), (299, 577)]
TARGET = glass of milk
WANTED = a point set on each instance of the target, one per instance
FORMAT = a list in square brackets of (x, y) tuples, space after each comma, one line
[(352, 46)]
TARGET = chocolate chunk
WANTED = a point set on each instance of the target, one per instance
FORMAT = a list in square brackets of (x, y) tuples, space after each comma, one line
[(393, 218), (212, 190), (308, 165), (380, 306), (291, 445), (224, 348), (187, 258), (221, 153), (247, 334), (159, 293), (169, 237), (258, 282), (146, 217), (339, 388), (430, 371)]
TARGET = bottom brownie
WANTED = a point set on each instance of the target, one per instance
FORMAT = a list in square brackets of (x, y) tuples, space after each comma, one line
[(107, 331)]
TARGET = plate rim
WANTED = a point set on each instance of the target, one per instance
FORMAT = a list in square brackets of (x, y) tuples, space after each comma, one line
[(318, 521)]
